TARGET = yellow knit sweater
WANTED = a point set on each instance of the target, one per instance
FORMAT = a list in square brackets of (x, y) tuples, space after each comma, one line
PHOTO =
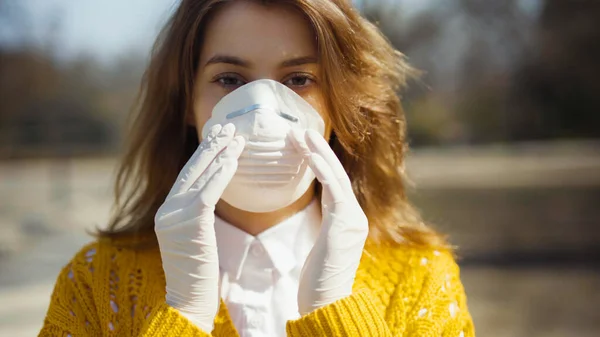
[(111, 291)]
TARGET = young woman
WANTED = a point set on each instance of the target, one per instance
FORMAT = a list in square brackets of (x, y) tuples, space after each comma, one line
[(261, 193)]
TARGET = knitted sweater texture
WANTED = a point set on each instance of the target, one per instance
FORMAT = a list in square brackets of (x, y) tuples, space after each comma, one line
[(107, 290)]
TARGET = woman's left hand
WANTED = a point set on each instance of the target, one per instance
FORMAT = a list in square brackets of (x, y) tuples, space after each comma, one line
[(329, 271)]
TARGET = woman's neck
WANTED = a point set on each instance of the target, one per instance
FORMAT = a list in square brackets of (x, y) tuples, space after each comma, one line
[(255, 223)]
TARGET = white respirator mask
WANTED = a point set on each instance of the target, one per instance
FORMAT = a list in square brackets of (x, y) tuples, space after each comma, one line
[(271, 172)]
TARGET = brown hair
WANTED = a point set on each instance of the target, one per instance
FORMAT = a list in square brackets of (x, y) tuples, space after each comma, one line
[(362, 74)]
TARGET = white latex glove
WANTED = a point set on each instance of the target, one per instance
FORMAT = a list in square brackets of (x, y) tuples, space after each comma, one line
[(184, 226), (330, 268)]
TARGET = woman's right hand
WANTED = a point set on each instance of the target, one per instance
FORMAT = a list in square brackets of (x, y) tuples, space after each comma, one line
[(184, 226)]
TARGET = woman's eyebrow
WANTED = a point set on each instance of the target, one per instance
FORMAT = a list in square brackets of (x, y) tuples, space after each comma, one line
[(229, 60), (298, 61)]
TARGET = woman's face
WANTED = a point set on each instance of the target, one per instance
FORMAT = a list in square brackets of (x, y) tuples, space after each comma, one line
[(247, 41)]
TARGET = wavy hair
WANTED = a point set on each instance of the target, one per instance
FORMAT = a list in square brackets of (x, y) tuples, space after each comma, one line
[(362, 76)]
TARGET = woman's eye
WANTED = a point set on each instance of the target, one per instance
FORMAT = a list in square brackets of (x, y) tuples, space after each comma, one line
[(230, 81), (298, 81)]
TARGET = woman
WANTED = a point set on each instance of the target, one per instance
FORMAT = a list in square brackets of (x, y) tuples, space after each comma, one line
[(220, 226)]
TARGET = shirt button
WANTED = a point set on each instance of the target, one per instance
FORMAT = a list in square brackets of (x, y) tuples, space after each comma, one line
[(256, 322), (257, 250)]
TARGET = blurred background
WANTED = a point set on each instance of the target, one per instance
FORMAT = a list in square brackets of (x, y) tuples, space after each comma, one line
[(504, 127)]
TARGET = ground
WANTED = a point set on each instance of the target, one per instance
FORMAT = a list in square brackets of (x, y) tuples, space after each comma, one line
[(47, 206)]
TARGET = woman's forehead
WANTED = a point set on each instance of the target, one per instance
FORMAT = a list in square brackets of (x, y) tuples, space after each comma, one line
[(258, 33)]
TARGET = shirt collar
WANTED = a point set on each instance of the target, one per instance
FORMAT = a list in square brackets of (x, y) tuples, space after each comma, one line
[(280, 241)]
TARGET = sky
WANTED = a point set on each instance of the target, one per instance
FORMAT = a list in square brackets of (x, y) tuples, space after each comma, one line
[(104, 28)]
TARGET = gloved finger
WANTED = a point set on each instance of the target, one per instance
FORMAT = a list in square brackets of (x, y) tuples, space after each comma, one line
[(297, 138), (219, 179), (183, 178), (332, 191), (317, 144), (214, 143), (232, 150)]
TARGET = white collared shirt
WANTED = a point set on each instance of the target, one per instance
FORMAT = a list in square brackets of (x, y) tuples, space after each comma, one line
[(260, 274)]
